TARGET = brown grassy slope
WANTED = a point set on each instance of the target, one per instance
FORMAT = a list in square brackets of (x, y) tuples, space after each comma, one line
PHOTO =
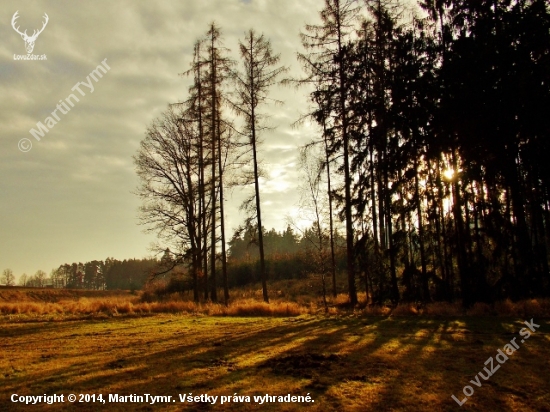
[(24, 294), (344, 363)]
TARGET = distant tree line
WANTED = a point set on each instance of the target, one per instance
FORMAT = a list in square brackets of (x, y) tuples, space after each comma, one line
[(244, 243), (95, 275), (288, 255)]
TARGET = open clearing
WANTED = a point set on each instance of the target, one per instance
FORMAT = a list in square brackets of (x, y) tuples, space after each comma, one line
[(344, 363)]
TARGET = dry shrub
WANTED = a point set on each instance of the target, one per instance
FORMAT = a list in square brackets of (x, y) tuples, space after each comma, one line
[(505, 308), (480, 309), (9, 309), (544, 305), (143, 307), (90, 307), (524, 308), (251, 307), (154, 290), (305, 300), (361, 297), (530, 308), (405, 309), (443, 309), (377, 310), (313, 308), (174, 307), (332, 311), (125, 307), (246, 307), (341, 299), (54, 308), (31, 307)]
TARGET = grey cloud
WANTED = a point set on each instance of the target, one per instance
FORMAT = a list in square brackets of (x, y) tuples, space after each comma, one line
[(70, 198)]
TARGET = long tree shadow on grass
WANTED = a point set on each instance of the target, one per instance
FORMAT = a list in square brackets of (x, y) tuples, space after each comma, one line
[(343, 363)]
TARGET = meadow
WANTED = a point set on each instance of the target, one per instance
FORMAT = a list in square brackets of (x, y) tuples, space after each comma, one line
[(401, 359)]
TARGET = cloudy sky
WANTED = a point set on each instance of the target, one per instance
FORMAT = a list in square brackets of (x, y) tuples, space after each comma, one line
[(69, 198)]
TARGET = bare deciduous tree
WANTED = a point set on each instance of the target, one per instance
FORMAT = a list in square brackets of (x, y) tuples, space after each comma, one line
[(8, 277), (259, 74), (167, 166)]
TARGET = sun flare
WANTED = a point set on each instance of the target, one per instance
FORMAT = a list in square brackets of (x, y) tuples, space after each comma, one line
[(449, 174)]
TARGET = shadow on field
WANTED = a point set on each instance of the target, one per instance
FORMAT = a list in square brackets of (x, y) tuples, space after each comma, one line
[(351, 363)]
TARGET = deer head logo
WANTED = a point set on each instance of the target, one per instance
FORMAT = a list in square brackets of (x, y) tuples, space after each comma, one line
[(29, 40)]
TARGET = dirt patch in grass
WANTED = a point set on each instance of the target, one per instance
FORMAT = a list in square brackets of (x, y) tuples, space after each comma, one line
[(305, 365)]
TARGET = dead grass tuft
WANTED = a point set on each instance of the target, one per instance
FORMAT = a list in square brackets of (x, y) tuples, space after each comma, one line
[(480, 309), (524, 308), (341, 299), (377, 310), (405, 309), (255, 308), (174, 306), (443, 309)]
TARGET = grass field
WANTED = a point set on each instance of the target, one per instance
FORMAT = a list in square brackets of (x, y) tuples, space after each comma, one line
[(345, 363)]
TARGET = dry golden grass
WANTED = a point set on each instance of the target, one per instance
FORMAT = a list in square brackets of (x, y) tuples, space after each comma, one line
[(255, 308), (443, 309), (405, 310), (61, 303), (127, 304)]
